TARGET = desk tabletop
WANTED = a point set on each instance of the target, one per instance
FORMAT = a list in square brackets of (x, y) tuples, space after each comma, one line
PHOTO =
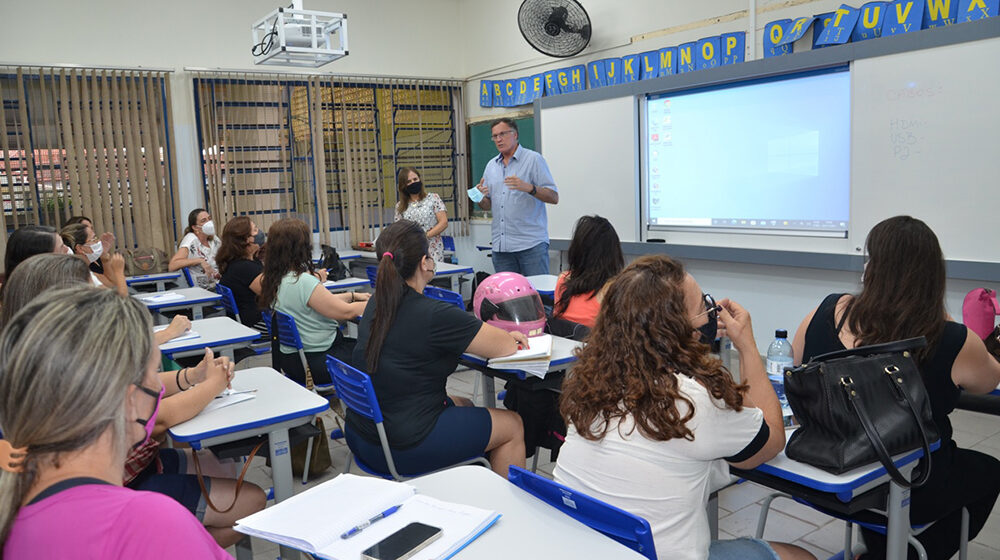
[(528, 528), (344, 254), (845, 483), (562, 354), (188, 296), (544, 284), (151, 278), (277, 399), (214, 331), (345, 284), (446, 269)]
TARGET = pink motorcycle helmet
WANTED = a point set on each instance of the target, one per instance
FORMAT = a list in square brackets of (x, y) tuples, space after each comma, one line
[(508, 301)]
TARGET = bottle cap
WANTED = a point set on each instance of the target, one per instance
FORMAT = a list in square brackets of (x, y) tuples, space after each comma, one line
[(781, 333)]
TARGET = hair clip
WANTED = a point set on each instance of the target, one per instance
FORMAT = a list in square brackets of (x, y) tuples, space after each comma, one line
[(12, 458), (388, 254)]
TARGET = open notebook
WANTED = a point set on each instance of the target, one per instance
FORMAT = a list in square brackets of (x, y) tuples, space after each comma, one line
[(534, 359), (314, 520)]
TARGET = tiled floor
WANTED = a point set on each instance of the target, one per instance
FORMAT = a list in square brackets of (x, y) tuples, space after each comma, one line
[(739, 505)]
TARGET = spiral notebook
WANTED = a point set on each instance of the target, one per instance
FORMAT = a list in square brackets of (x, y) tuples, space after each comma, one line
[(314, 520)]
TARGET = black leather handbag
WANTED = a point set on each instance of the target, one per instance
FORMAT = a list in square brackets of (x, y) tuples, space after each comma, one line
[(861, 405)]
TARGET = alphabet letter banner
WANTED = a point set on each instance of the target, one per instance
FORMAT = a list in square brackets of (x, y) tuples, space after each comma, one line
[(870, 23), (795, 29), (773, 33), (649, 62), (576, 79), (971, 10), (902, 16), (595, 74), (709, 55), (551, 85), (839, 30), (822, 20), (668, 61), (685, 57), (939, 13), (486, 93), (734, 46)]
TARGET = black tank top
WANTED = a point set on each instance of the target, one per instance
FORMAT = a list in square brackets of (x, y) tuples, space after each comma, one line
[(822, 336)]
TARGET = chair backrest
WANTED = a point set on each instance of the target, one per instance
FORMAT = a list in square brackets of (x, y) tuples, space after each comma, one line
[(566, 328), (228, 301), (622, 526), (448, 242), (288, 333), (444, 295), (372, 272), (354, 388), (187, 276)]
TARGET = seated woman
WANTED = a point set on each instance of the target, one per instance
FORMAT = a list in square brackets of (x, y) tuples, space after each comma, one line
[(187, 391), (654, 418), (62, 457), (86, 245), (239, 265), (107, 239), (197, 250), (410, 344), (902, 296), (595, 256), (292, 285), (28, 241), (426, 209)]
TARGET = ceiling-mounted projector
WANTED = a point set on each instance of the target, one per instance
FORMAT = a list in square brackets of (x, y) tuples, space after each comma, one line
[(292, 36)]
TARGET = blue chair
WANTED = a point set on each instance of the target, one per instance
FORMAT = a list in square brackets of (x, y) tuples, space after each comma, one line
[(187, 276), (228, 301), (356, 392), (444, 295), (449, 245), (288, 335), (372, 272), (622, 526)]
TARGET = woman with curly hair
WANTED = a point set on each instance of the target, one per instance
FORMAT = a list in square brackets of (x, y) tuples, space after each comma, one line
[(654, 418)]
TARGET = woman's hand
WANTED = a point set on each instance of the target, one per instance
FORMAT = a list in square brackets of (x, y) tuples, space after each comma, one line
[(114, 266), (734, 322), (518, 336), (108, 241), (178, 326), (218, 371), (322, 274), (361, 296)]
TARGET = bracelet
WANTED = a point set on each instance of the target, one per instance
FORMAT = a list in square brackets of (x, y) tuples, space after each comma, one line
[(177, 379), (352, 297), (186, 378)]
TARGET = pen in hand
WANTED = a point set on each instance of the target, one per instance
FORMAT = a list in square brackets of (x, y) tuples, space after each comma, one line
[(355, 530)]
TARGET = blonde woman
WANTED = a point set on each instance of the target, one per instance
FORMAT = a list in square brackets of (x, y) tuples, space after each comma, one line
[(69, 418)]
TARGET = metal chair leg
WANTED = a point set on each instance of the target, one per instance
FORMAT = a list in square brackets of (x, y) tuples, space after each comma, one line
[(305, 468), (963, 542), (764, 509), (534, 459), (848, 544)]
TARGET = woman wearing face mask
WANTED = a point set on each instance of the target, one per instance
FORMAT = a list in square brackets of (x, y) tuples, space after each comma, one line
[(647, 398), (62, 458), (81, 241), (197, 249), (427, 209), (239, 265)]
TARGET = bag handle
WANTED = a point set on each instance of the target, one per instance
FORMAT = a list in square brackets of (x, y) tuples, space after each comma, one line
[(884, 348), (876, 440), (239, 481)]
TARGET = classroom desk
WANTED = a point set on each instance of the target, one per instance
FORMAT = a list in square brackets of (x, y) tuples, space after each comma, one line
[(159, 279), (348, 284), (528, 528), (848, 493), (222, 334), (454, 271), (562, 357), (544, 284), (344, 255), (194, 299), (280, 404)]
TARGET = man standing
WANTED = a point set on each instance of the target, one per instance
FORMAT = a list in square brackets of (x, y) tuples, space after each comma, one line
[(516, 186)]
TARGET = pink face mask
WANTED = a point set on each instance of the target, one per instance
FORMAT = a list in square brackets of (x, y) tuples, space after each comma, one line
[(149, 423)]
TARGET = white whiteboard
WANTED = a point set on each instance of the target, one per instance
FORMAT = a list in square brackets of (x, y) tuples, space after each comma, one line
[(591, 151), (947, 97), (927, 143)]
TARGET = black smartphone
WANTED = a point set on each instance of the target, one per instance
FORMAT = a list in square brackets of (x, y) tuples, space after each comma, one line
[(404, 543)]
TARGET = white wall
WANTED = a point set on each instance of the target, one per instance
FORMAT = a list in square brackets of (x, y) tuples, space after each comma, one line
[(398, 37)]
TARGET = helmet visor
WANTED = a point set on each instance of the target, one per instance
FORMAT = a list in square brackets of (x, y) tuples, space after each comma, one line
[(516, 310)]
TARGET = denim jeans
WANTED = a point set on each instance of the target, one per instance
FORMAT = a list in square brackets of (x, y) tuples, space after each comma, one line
[(744, 548), (528, 262)]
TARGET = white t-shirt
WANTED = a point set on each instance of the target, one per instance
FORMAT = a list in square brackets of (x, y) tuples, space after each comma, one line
[(665, 482), (195, 251)]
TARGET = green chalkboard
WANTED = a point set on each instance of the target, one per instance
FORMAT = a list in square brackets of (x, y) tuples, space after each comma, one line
[(481, 147)]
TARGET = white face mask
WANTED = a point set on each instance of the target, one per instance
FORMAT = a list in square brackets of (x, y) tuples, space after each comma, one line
[(67, 250), (208, 228), (95, 251)]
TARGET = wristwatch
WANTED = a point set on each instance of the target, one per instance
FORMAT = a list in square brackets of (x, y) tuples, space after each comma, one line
[(534, 189)]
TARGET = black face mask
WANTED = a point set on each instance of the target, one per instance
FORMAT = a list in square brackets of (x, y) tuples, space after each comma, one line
[(709, 330), (260, 237), (414, 188)]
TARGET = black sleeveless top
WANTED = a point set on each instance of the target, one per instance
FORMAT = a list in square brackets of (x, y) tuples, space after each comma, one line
[(822, 336)]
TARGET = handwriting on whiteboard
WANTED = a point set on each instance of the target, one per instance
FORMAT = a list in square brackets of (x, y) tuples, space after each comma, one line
[(906, 137)]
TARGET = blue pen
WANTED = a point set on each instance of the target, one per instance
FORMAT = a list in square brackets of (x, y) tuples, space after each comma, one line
[(359, 528)]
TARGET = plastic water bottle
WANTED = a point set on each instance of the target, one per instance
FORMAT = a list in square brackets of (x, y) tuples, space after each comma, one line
[(779, 356)]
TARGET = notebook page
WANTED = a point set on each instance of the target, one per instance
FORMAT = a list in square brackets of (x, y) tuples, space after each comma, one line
[(538, 347), (458, 523), (318, 516)]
